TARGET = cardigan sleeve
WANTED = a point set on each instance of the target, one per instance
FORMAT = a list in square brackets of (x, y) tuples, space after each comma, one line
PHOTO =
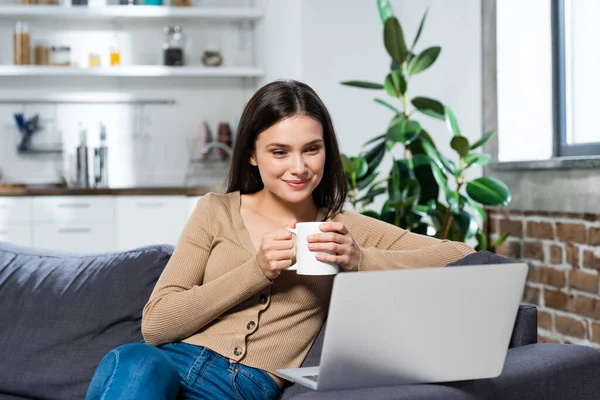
[(180, 303)]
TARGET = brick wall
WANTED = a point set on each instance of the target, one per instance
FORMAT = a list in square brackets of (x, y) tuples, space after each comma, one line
[(563, 253)]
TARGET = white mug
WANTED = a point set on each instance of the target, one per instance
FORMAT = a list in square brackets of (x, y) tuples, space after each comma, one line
[(306, 262)]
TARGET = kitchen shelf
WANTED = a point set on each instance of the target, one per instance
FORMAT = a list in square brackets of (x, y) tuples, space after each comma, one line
[(141, 71), (40, 12)]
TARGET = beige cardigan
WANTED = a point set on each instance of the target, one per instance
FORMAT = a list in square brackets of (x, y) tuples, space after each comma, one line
[(213, 293)]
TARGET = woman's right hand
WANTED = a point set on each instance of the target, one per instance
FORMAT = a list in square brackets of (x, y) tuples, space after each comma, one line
[(277, 251)]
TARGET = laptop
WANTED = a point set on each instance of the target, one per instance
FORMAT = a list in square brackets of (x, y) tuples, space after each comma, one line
[(425, 325)]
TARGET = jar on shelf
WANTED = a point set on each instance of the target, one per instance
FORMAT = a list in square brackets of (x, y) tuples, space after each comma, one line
[(173, 46), (21, 44), (60, 55), (41, 54)]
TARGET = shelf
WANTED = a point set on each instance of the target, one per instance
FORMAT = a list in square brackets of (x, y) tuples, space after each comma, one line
[(142, 71), (39, 12)]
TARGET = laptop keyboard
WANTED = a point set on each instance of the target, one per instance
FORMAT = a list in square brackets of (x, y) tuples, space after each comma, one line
[(311, 377)]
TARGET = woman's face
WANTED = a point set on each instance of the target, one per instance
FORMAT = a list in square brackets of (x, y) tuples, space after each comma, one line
[(290, 157)]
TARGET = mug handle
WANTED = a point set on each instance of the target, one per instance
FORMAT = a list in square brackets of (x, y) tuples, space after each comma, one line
[(293, 267)]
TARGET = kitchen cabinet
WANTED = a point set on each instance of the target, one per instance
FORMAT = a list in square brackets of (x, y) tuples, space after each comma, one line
[(147, 220), (80, 237), (95, 223), (15, 220), (16, 233)]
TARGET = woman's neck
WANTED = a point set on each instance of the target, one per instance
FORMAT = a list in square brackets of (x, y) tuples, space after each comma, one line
[(279, 210)]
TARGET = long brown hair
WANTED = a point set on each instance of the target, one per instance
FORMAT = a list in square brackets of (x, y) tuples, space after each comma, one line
[(270, 104)]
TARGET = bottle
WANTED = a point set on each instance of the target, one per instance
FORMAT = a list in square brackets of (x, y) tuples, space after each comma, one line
[(81, 154), (100, 161), (115, 54), (21, 45), (173, 46)]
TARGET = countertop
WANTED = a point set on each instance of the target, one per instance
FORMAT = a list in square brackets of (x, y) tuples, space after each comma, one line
[(133, 191)]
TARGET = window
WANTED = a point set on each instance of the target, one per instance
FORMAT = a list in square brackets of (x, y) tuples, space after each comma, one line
[(576, 77)]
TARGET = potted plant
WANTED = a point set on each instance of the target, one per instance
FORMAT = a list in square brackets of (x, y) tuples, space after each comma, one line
[(425, 191)]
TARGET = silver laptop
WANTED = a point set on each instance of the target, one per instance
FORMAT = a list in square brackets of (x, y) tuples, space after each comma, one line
[(416, 326)]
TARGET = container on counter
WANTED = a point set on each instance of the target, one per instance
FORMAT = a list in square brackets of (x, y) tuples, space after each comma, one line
[(173, 46), (21, 44)]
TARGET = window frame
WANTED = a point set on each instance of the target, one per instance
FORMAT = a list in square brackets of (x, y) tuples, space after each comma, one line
[(561, 147)]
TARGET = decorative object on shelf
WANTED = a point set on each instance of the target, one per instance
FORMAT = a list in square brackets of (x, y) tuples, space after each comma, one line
[(115, 54), (27, 129), (181, 3), (173, 46), (212, 57), (41, 54), (21, 44), (79, 2), (94, 60), (60, 56), (153, 2)]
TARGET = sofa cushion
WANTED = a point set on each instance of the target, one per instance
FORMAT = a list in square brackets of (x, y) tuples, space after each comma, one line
[(61, 312)]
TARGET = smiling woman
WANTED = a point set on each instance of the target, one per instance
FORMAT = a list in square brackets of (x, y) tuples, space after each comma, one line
[(227, 313)]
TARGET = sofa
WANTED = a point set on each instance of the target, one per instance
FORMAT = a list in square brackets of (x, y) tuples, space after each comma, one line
[(61, 312)]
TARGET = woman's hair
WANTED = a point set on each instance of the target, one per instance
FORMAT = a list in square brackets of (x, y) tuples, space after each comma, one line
[(270, 104)]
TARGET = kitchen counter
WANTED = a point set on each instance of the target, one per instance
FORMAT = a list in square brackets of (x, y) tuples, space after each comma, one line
[(133, 191)]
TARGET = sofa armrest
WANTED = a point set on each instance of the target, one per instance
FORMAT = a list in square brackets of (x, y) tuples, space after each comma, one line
[(525, 329), (535, 372)]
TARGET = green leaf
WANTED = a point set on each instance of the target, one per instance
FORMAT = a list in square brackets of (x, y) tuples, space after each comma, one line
[(354, 166), (393, 38), (439, 176), (477, 158), (501, 239), (475, 206), (466, 224), (403, 131), (385, 10), (423, 60), (489, 191), (347, 164), (486, 136), (371, 194), (482, 243), (420, 160), (430, 107), (451, 121), (419, 30), (395, 84), (363, 84), (388, 105), (359, 166), (461, 145), (366, 181), (446, 165), (374, 157), (394, 184), (375, 139)]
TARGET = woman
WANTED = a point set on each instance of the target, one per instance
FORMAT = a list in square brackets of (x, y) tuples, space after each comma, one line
[(225, 313)]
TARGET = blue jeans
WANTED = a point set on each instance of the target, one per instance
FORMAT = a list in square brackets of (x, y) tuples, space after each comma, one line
[(176, 371)]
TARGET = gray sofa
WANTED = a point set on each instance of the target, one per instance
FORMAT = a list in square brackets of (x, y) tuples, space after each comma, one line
[(61, 312)]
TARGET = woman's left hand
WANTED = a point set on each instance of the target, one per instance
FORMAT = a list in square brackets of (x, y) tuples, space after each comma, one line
[(336, 239)]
